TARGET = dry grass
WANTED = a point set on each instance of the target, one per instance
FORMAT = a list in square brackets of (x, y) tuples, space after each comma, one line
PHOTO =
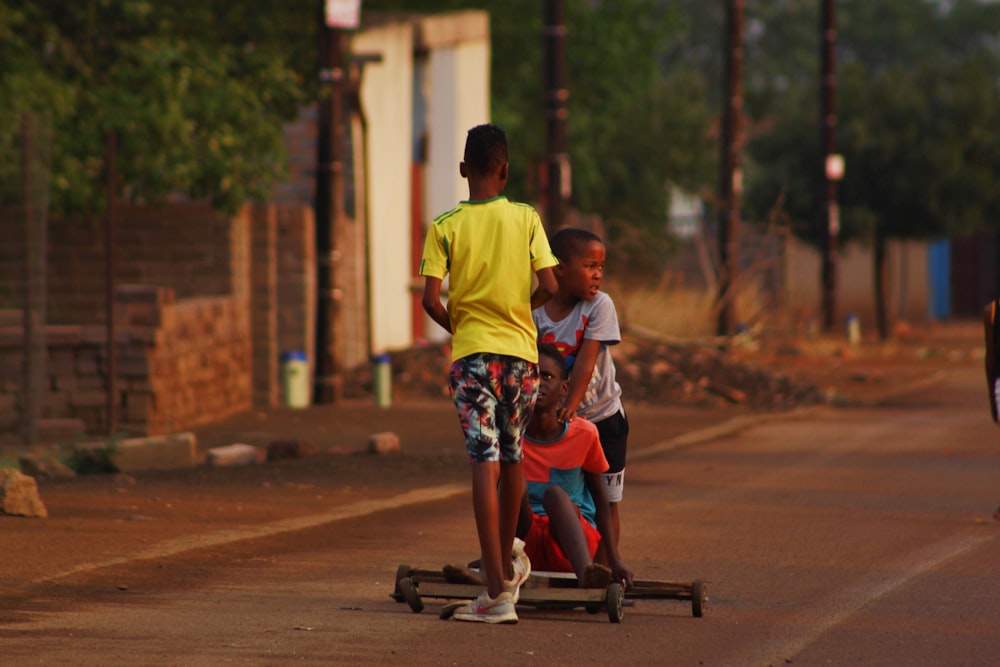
[(676, 311)]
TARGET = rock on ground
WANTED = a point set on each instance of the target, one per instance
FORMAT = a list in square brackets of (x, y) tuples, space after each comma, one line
[(19, 495)]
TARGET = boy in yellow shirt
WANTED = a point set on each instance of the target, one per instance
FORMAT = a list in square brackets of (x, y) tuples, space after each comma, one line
[(490, 247)]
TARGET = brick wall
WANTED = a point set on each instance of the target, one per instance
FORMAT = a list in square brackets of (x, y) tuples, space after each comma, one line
[(296, 280), (202, 344), (178, 364), (196, 356), (263, 298), (188, 247)]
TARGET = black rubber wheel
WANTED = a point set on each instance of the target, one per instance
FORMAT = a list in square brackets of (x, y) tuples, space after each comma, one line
[(410, 594), (616, 602), (402, 572), (699, 598)]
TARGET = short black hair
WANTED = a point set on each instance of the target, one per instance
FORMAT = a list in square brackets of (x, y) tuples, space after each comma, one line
[(552, 352), (485, 149), (567, 241)]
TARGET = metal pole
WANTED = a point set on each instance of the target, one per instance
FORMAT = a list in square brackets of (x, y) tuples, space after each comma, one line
[(110, 230), (329, 213), (731, 180), (558, 187), (828, 130), (31, 319)]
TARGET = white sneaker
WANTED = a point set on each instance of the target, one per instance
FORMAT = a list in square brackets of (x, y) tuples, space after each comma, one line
[(522, 569), (485, 609)]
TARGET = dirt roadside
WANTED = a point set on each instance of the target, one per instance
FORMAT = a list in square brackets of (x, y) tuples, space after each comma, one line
[(97, 520)]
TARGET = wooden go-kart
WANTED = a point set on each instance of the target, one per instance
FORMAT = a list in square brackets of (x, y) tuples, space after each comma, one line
[(542, 590)]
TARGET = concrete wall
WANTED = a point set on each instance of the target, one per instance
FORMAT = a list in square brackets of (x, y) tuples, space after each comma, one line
[(908, 282), (457, 90), (386, 98)]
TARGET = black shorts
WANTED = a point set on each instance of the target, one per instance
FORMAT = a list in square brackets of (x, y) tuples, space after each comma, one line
[(613, 432)]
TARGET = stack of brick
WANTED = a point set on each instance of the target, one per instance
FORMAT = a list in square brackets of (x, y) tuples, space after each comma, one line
[(240, 291), (187, 363)]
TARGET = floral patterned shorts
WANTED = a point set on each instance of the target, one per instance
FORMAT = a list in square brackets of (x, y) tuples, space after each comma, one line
[(494, 395)]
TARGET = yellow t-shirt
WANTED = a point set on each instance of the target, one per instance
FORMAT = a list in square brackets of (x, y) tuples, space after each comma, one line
[(491, 249)]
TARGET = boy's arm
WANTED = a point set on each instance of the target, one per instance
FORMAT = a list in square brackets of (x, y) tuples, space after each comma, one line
[(579, 378), (546, 288), (432, 303), (595, 484)]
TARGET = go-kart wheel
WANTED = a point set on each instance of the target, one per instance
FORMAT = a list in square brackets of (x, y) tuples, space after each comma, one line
[(699, 598), (410, 594), (402, 572), (616, 602)]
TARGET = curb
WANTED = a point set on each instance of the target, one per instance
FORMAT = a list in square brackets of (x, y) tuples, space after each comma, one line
[(744, 422)]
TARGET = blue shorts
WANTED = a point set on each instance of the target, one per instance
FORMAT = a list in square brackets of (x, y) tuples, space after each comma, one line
[(494, 395)]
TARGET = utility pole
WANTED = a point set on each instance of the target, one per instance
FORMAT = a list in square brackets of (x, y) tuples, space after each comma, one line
[(558, 186), (832, 164), (334, 18), (110, 282), (731, 181)]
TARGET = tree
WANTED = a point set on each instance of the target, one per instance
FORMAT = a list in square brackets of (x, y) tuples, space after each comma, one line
[(197, 97), (918, 103), (631, 127), (923, 147)]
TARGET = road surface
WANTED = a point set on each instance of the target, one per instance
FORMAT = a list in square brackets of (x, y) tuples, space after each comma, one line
[(828, 537)]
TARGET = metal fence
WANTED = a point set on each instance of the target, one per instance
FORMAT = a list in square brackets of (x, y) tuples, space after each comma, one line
[(25, 179)]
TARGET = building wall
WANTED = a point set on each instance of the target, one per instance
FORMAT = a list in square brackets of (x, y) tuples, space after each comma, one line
[(191, 248), (178, 363), (386, 95), (908, 278), (457, 90)]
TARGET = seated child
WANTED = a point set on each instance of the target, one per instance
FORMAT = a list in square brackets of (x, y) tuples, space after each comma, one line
[(565, 518)]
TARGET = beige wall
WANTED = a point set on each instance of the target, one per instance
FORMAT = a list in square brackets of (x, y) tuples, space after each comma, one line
[(907, 275), (457, 88), (387, 100)]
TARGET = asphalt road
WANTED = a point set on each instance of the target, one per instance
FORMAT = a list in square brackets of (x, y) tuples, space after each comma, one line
[(828, 537)]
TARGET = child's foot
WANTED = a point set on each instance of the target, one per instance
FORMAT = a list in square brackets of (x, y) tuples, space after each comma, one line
[(596, 576), (485, 609), (522, 569), (456, 574)]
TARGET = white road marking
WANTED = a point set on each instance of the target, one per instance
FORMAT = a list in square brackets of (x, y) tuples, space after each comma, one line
[(847, 602), (352, 511)]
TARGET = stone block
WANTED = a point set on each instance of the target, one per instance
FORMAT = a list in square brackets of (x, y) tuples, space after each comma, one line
[(43, 466), (233, 455), (19, 495), (383, 443), (157, 452)]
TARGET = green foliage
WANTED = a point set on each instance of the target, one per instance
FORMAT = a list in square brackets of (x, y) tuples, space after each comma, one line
[(198, 104), (630, 128), (918, 100)]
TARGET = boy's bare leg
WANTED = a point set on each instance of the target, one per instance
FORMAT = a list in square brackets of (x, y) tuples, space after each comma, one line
[(616, 522), (485, 505), (564, 524), (511, 492)]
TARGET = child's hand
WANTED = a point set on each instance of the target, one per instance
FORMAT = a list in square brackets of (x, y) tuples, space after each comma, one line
[(622, 573), (566, 415)]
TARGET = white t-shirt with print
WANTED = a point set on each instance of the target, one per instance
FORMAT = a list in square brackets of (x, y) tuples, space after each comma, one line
[(589, 320)]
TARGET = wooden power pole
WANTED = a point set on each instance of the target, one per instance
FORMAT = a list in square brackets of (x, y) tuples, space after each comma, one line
[(731, 177), (558, 188), (330, 206), (832, 165)]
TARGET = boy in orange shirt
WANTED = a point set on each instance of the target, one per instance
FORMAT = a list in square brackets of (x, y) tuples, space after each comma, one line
[(565, 517)]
